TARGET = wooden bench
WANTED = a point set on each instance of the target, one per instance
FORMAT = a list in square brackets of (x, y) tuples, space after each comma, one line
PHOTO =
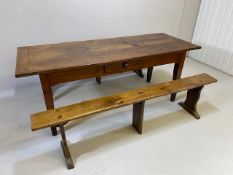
[(60, 116)]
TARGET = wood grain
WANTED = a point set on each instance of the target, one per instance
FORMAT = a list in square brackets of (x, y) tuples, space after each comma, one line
[(138, 113), (68, 113), (70, 55), (76, 74), (22, 61)]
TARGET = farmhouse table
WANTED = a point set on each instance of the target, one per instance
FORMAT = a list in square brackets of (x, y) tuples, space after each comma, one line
[(70, 61)]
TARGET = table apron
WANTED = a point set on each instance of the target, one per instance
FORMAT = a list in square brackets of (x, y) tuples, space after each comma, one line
[(112, 68), (146, 62), (75, 74)]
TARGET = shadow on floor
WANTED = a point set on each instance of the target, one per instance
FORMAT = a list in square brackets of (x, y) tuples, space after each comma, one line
[(43, 163), (54, 160), (153, 125)]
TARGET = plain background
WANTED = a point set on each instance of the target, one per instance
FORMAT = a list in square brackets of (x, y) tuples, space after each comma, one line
[(173, 142), (214, 32), (32, 22)]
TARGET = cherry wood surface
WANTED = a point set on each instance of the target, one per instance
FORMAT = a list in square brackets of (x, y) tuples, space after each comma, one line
[(61, 116), (68, 113), (63, 56), (70, 61)]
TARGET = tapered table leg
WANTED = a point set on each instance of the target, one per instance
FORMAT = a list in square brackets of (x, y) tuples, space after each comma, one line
[(149, 74), (177, 71), (98, 80), (48, 96)]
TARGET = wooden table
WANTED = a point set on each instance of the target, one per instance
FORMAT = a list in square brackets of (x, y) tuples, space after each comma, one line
[(64, 62)]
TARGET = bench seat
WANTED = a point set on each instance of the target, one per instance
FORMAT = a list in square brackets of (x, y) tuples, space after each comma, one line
[(60, 116), (68, 113)]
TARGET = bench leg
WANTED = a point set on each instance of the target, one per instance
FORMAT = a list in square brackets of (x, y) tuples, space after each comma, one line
[(98, 80), (138, 111), (139, 73), (149, 74), (65, 148), (48, 96), (190, 104)]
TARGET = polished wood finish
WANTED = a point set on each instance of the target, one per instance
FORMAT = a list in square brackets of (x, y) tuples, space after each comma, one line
[(190, 104), (76, 74), (138, 112), (72, 112), (70, 61), (49, 58), (122, 66), (61, 116), (47, 91), (22, 61)]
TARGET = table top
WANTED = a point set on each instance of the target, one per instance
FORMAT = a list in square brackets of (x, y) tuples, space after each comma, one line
[(32, 60)]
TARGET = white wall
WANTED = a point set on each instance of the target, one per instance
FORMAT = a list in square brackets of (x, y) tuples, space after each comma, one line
[(214, 32), (30, 22)]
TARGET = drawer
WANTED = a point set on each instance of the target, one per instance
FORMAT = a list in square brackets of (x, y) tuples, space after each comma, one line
[(123, 66), (143, 63)]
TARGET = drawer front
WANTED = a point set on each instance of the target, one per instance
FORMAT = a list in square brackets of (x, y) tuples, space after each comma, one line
[(123, 66), (143, 63), (75, 74)]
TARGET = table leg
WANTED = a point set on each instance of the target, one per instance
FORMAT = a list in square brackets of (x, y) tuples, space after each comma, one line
[(139, 73), (48, 96), (149, 74), (177, 71), (98, 80)]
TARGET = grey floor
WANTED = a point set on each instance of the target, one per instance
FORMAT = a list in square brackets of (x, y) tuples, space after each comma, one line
[(172, 143)]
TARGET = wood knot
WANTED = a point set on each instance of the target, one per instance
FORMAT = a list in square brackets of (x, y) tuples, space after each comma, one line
[(140, 92), (59, 116)]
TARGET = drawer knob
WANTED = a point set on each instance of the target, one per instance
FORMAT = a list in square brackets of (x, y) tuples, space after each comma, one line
[(125, 65)]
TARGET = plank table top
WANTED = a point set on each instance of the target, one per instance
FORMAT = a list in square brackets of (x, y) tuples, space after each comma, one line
[(32, 60)]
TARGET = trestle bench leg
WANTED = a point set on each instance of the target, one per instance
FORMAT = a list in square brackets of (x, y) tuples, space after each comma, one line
[(178, 67), (138, 111), (190, 104), (65, 148)]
